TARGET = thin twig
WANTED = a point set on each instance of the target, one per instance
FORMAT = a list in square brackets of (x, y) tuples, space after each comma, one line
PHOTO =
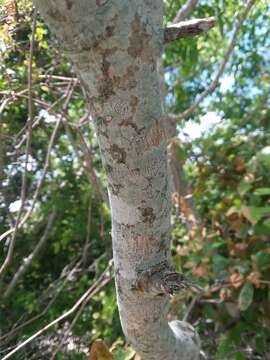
[(35, 124), (56, 77), (45, 168), (4, 104), (89, 161), (12, 243), (59, 289), (28, 261), (88, 231), (86, 161), (191, 306), (214, 83), (76, 318), (103, 280)]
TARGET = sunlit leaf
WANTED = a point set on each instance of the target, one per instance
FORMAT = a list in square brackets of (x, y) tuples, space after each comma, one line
[(262, 191)]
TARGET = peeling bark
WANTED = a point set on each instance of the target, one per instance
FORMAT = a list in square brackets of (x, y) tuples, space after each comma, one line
[(114, 46)]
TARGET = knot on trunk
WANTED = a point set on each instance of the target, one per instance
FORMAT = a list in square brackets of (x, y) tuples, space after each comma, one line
[(161, 279)]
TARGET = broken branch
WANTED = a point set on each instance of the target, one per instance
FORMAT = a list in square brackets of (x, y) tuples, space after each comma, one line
[(188, 28)]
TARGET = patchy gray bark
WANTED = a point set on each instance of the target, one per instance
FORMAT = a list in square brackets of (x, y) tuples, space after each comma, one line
[(114, 46)]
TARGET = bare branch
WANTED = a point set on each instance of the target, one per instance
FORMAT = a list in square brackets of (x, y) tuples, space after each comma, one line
[(186, 208), (88, 231), (28, 147), (103, 280), (46, 166), (49, 108), (88, 158), (56, 77), (87, 163), (28, 261), (68, 274), (4, 104), (76, 318), (185, 10), (214, 83), (191, 306), (188, 28)]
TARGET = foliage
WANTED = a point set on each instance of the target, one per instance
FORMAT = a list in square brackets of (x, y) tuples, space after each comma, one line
[(227, 252)]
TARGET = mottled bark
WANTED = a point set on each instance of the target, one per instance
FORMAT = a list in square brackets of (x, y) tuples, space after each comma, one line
[(114, 46)]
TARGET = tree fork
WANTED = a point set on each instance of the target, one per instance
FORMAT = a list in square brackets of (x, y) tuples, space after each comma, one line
[(114, 46)]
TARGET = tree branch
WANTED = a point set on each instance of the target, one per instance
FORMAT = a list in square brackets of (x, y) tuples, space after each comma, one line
[(86, 159), (185, 10), (214, 83), (103, 280), (188, 28), (46, 165), (52, 295), (12, 242), (28, 261)]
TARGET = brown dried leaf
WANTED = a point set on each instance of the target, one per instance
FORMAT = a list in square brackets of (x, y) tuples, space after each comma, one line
[(245, 211), (182, 250), (239, 249), (239, 164), (235, 224), (188, 265), (200, 271), (236, 280), (99, 351)]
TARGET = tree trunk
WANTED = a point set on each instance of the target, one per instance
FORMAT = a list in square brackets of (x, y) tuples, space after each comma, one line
[(114, 46)]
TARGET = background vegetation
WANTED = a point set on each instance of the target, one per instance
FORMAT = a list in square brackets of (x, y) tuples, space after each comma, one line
[(221, 222)]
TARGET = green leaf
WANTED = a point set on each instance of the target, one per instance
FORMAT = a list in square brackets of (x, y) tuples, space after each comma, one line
[(262, 191), (262, 260), (220, 263), (182, 155), (267, 223), (240, 356), (124, 354), (244, 187), (225, 346), (255, 214), (246, 296), (260, 344), (264, 155)]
